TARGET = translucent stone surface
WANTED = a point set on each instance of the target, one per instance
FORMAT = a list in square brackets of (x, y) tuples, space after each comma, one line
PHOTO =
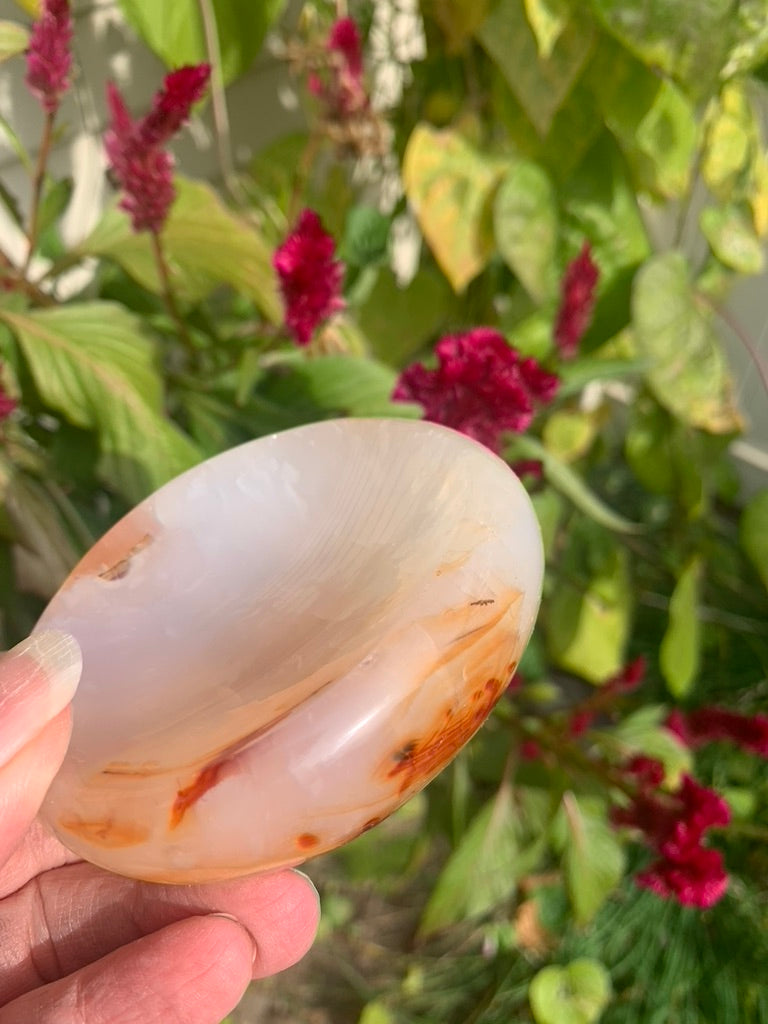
[(285, 643)]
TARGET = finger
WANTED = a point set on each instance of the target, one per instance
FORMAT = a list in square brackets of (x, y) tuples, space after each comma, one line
[(24, 781), (76, 914), (37, 681), (191, 972), (39, 851)]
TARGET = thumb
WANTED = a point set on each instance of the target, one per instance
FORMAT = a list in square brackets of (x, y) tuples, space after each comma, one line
[(37, 681)]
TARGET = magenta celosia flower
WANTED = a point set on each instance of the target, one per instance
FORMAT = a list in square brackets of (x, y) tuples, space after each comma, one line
[(697, 880), (750, 732), (342, 88), (674, 826), (310, 277), (135, 151), (481, 386), (49, 58), (577, 300)]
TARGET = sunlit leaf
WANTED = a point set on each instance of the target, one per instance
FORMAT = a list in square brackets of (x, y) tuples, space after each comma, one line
[(525, 224), (449, 184), (547, 19), (588, 614), (14, 39), (643, 732), (732, 239), (92, 364), (541, 85), (176, 34), (680, 651), (696, 42), (483, 869), (654, 122), (731, 137), (575, 994), (205, 243), (688, 373), (593, 858)]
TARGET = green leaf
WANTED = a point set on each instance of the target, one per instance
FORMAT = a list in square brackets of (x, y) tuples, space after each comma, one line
[(570, 485), (753, 533), (575, 994), (653, 121), (338, 385), (449, 185), (732, 238), (600, 204), (643, 732), (695, 42), (44, 550), (540, 84), (588, 614), (680, 650), (14, 39), (376, 1013), (569, 433), (91, 363), (458, 19), (688, 374), (175, 31), (732, 136), (365, 237), (483, 869), (400, 321), (526, 228), (593, 858), (548, 19), (205, 244)]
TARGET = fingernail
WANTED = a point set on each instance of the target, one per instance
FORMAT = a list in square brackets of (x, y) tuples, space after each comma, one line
[(58, 656), (309, 882), (229, 917)]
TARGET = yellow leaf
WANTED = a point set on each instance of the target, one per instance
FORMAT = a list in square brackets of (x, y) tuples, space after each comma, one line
[(449, 185)]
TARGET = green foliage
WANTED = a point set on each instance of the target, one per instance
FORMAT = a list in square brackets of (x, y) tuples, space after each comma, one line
[(528, 128), (574, 994), (754, 533), (177, 34)]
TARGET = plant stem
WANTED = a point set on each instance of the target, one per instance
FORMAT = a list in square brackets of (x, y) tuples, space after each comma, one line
[(37, 189), (745, 340), (219, 102), (168, 293)]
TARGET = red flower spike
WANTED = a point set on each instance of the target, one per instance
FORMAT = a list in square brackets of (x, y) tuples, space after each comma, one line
[(344, 38), (577, 301), (172, 106), (530, 750), (710, 724), (674, 827), (579, 722), (142, 167), (310, 277), (699, 880), (49, 57), (481, 386)]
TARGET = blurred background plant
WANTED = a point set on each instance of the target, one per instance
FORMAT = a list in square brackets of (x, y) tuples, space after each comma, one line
[(520, 218)]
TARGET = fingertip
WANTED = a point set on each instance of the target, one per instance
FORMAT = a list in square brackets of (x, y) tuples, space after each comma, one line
[(297, 916)]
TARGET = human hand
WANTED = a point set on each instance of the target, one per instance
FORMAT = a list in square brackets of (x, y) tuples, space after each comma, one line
[(81, 946)]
